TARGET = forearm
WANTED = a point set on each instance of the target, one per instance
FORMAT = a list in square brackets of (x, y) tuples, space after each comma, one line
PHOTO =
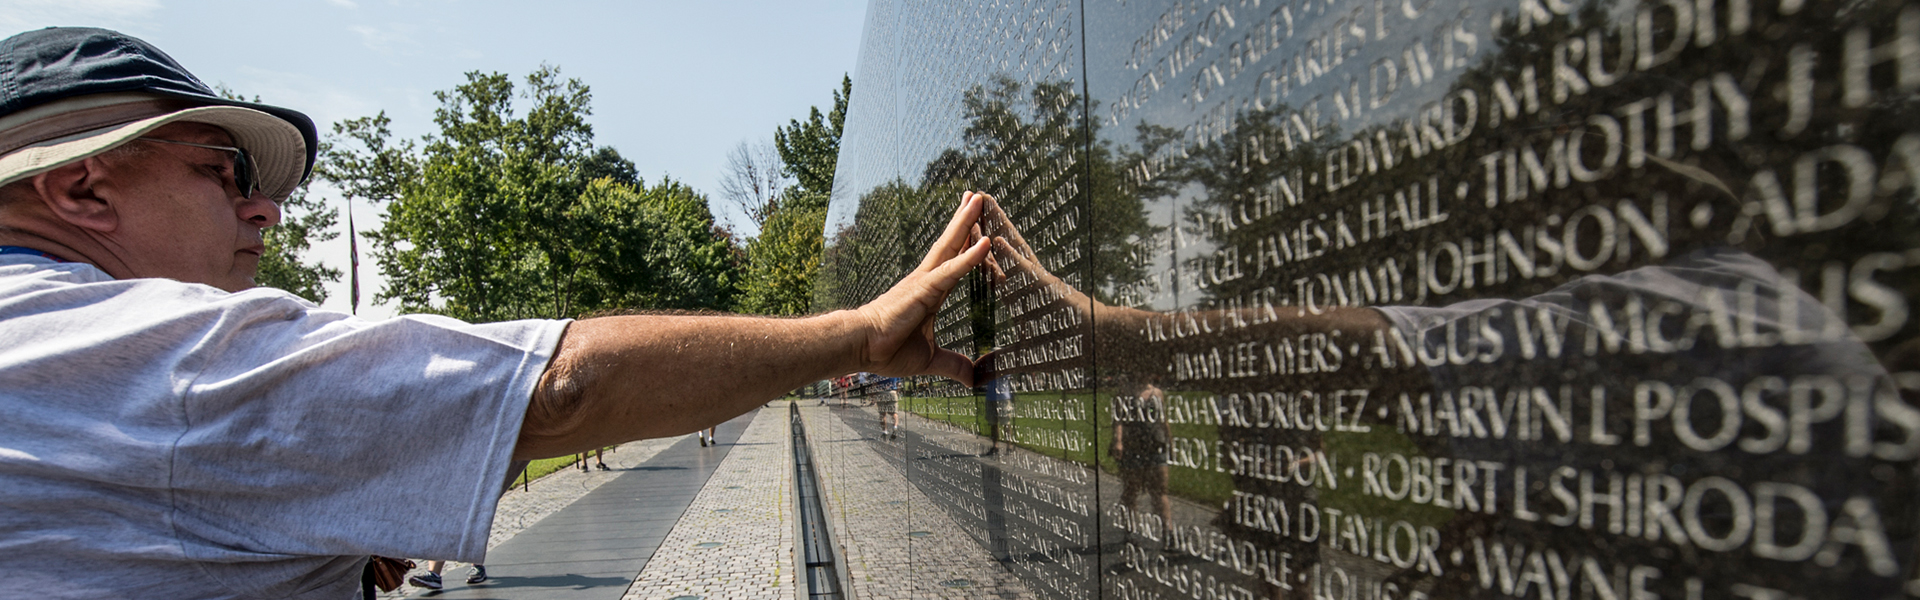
[(616, 379)]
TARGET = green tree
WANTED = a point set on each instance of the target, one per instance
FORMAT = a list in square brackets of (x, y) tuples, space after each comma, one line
[(377, 170), (784, 260), (303, 221), (511, 211), (650, 247), (811, 149)]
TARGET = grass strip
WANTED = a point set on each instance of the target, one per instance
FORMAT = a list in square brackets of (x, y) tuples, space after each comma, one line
[(543, 467)]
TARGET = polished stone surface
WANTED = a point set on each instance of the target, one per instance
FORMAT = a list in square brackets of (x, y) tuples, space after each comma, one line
[(1377, 299)]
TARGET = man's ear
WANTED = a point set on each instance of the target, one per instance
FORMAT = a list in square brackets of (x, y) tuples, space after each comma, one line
[(68, 192)]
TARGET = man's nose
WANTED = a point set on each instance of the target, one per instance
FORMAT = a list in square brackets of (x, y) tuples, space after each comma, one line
[(259, 210)]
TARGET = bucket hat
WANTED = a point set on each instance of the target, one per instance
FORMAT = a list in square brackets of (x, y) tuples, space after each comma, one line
[(67, 93)]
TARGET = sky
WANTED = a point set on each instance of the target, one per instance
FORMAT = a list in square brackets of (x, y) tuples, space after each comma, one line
[(676, 84)]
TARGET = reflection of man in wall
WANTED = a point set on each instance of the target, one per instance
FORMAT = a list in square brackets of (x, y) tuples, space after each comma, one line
[(1140, 435), (999, 411), (1709, 376)]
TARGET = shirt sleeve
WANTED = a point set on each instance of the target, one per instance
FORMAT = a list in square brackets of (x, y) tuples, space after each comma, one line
[(311, 432)]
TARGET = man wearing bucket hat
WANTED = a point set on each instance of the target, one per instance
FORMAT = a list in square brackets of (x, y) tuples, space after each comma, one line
[(170, 433)]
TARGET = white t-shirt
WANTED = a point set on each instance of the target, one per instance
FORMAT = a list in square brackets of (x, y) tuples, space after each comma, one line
[(168, 440)]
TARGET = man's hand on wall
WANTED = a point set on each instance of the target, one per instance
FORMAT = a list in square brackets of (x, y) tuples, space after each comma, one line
[(900, 322)]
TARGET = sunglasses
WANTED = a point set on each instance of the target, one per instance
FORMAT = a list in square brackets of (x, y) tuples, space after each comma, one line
[(243, 174)]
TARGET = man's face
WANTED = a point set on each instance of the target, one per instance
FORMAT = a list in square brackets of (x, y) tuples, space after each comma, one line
[(180, 215)]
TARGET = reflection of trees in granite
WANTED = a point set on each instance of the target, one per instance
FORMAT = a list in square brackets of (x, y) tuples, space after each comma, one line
[(1670, 154), (1029, 147), (862, 256), (1587, 145), (1246, 178), (1711, 131)]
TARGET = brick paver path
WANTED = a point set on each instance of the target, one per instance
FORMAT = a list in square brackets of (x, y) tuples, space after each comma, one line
[(736, 540)]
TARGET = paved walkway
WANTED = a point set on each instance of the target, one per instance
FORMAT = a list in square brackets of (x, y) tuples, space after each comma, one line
[(591, 534), (737, 540), (676, 521)]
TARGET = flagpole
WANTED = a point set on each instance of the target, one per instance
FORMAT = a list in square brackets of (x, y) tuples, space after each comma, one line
[(353, 248)]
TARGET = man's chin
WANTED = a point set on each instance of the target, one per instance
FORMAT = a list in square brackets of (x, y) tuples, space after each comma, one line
[(241, 281), (246, 270)]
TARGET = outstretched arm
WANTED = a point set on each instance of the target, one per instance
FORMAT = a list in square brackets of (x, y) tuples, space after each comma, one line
[(616, 379)]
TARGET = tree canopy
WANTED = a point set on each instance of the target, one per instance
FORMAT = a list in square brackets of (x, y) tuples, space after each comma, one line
[(784, 260), (811, 149), (303, 221), (510, 210)]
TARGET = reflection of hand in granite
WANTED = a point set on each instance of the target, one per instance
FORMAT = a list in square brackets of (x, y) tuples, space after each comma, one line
[(1715, 285), (1150, 336), (1016, 264)]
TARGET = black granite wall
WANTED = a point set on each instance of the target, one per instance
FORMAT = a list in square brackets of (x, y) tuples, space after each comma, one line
[(1390, 299)]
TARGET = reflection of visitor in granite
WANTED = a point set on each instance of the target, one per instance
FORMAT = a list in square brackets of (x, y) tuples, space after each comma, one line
[(998, 397), (888, 404), (1140, 436), (1710, 375), (995, 392)]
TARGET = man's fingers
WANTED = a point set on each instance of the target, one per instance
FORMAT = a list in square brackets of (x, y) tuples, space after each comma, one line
[(913, 299), (953, 240), (952, 365), (949, 272)]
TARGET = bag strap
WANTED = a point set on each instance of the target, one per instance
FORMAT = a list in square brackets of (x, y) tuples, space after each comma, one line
[(366, 580)]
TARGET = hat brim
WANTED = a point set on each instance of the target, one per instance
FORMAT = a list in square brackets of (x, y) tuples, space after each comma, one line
[(276, 146)]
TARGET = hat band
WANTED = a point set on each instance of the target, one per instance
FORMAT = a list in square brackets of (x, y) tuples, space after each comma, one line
[(83, 120)]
